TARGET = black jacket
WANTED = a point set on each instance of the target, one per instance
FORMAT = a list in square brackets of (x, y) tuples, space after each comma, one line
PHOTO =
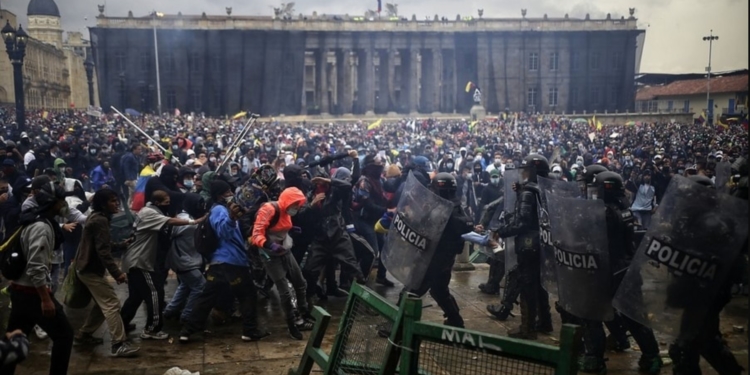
[(525, 221), (451, 243), (333, 214)]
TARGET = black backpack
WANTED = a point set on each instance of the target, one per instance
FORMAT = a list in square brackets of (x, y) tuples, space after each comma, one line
[(205, 240), (12, 259)]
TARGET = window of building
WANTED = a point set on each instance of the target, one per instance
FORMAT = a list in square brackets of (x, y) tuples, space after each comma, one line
[(653, 106), (120, 61), (595, 61), (670, 105), (196, 100), (617, 62), (554, 61), (123, 95), (686, 106), (574, 97), (531, 98), (552, 96), (533, 61), (613, 96), (169, 62), (195, 62), (596, 95), (171, 99), (575, 60), (145, 62), (217, 98)]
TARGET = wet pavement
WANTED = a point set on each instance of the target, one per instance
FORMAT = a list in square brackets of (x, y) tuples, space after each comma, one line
[(222, 351)]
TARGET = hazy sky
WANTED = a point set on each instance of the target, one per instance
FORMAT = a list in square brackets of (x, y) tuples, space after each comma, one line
[(674, 28)]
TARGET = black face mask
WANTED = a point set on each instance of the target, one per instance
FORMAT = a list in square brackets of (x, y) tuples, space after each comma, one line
[(164, 209)]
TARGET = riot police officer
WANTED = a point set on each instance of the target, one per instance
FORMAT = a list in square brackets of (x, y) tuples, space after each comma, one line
[(686, 351), (535, 310), (609, 187)]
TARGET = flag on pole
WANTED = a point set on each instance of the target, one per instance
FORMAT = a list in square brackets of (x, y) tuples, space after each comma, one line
[(239, 115), (375, 124), (599, 125), (471, 86), (45, 114), (379, 6), (472, 125)]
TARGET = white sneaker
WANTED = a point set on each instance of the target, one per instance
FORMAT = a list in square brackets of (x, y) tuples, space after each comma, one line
[(40, 333), (125, 350), (161, 335)]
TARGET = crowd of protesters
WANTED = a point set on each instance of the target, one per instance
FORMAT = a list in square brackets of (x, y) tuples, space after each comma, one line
[(329, 184)]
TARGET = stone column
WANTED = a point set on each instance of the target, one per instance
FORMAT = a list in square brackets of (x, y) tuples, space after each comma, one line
[(383, 92), (437, 61), (412, 80), (321, 65), (427, 79), (340, 61), (393, 106), (367, 78)]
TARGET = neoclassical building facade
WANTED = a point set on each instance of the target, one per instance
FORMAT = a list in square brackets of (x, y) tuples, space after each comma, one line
[(349, 65), (54, 76)]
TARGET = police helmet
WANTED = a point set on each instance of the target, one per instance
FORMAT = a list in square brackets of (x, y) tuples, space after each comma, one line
[(538, 163), (609, 182), (590, 172), (703, 180), (444, 184)]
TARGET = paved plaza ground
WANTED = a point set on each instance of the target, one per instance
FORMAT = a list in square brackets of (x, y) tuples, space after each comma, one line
[(222, 351)]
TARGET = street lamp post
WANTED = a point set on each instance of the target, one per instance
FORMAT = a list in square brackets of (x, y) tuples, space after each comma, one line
[(709, 108), (89, 65), (15, 44), (156, 61)]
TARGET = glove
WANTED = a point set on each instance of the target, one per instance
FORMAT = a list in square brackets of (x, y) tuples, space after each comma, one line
[(350, 228), (276, 248), (296, 230)]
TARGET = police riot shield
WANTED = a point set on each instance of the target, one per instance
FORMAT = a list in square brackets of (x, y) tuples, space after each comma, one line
[(580, 256), (419, 222), (685, 257), (510, 177), (548, 268), (723, 173)]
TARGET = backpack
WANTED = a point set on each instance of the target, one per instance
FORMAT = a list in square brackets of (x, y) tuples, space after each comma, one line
[(12, 259), (205, 240)]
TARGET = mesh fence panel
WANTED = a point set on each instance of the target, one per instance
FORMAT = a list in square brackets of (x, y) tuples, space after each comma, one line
[(363, 351), (451, 359)]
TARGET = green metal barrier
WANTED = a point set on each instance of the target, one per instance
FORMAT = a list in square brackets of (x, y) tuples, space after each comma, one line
[(415, 347)]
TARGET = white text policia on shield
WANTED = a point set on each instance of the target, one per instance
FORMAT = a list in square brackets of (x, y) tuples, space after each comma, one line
[(408, 234), (681, 261)]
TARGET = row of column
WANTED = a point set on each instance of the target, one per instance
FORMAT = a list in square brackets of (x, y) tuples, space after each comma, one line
[(352, 87)]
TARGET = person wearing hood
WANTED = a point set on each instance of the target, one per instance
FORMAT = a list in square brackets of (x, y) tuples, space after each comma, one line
[(271, 236), (229, 268), (332, 242), (235, 171), (102, 176), (205, 191), (31, 298), (60, 166), (460, 159), (368, 205), (140, 263), (166, 181), (183, 258), (186, 180)]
